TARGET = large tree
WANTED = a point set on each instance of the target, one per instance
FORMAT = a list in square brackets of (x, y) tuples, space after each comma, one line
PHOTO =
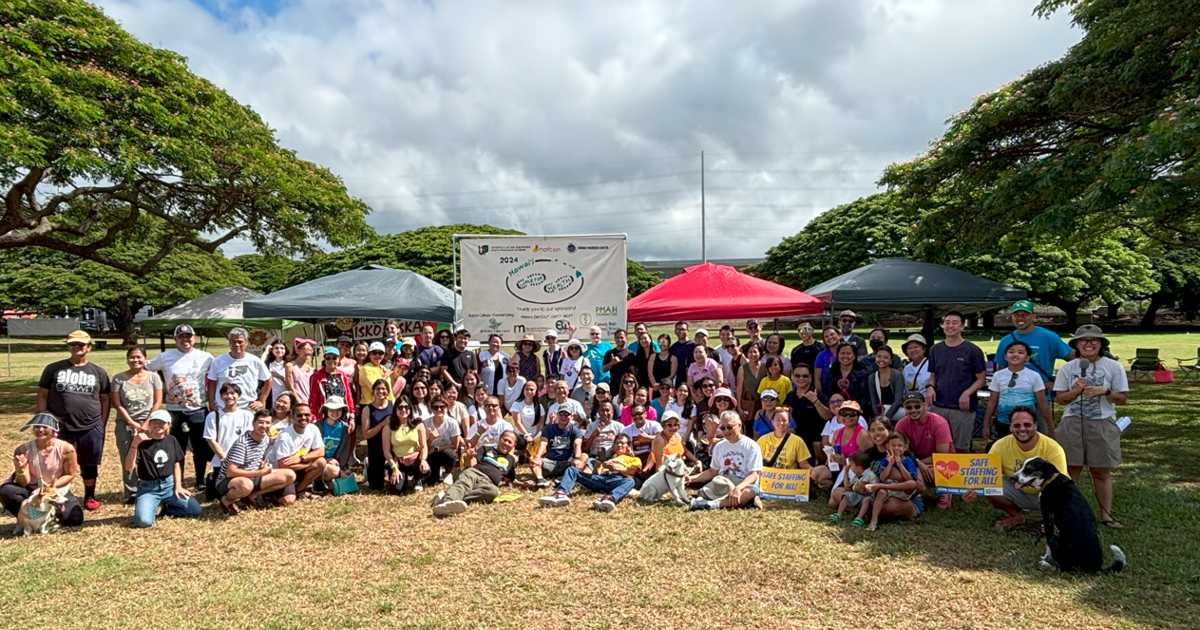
[(427, 251), (267, 273), (839, 240), (1104, 138), (50, 281), (102, 134)]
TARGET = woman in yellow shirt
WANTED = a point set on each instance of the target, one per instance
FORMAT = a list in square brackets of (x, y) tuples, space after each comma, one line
[(406, 447), (781, 448), (370, 371)]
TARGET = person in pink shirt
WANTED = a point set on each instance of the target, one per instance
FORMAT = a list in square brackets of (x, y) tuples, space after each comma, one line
[(641, 396), (702, 366), (927, 433)]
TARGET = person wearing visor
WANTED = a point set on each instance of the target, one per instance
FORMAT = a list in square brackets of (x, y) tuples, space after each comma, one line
[(43, 460)]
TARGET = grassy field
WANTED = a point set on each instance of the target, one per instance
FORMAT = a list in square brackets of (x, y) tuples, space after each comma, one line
[(370, 561)]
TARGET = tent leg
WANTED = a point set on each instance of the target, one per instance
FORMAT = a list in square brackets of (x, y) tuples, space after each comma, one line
[(928, 328), (162, 341)]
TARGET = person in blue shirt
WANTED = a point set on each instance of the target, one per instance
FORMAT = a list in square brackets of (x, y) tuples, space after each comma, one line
[(638, 329), (1045, 346), (594, 353)]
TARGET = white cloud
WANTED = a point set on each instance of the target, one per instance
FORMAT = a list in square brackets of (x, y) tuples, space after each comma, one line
[(410, 100)]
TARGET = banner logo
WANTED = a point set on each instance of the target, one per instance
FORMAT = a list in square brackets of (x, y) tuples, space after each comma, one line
[(483, 249), (544, 281)]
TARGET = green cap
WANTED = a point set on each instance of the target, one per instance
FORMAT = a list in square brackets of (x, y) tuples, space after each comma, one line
[(1023, 305)]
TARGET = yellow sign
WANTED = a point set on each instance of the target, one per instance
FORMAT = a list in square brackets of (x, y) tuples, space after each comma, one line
[(959, 473), (784, 484)]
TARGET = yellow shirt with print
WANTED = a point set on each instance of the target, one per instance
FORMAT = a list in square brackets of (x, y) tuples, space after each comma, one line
[(781, 385), (795, 452), (627, 461), (1011, 455), (368, 373)]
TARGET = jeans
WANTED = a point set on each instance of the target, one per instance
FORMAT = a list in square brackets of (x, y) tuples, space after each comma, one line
[(610, 483), (188, 428), (129, 479), (151, 494)]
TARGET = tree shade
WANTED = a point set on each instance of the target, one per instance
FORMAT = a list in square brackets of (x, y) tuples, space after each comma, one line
[(712, 291)]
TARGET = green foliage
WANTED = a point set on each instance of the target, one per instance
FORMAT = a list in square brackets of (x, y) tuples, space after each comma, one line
[(427, 251), (49, 281), (1177, 273), (102, 135), (267, 273), (839, 240), (1104, 138)]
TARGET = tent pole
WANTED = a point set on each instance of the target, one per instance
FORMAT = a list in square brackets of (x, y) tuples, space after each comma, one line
[(162, 341), (9, 338), (928, 328)]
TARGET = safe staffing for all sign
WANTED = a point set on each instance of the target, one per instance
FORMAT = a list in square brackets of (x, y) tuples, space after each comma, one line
[(518, 285)]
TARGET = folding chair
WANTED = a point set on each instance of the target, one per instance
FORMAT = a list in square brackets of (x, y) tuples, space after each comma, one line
[(1189, 373), (1143, 365)]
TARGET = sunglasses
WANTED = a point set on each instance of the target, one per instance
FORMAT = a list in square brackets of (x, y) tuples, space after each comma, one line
[(403, 408), (804, 329), (912, 407), (1013, 381), (492, 405), (726, 427), (848, 414), (708, 386), (639, 413), (437, 407)]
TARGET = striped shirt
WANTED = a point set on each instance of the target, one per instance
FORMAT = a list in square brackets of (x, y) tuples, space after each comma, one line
[(244, 452)]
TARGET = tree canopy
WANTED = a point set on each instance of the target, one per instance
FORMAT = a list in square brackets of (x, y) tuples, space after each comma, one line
[(427, 251), (46, 280), (1103, 139), (103, 136), (267, 273)]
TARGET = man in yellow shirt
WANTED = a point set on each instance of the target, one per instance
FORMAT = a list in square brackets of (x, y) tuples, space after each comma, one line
[(614, 476), (1024, 442), (794, 453)]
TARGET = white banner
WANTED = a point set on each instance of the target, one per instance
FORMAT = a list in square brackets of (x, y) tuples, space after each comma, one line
[(372, 329), (518, 285)]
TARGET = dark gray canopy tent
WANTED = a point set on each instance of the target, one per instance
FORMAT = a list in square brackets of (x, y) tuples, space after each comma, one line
[(370, 292), (900, 285)]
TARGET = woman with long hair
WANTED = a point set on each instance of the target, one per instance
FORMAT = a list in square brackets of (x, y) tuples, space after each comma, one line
[(299, 368), (528, 366), (406, 448), (663, 366), (135, 393), (885, 386), (419, 397), (644, 363), (810, 409), (748, 379), (445, 339), (277, 362), (624, 396), (527, 414), (775, 379), (848, 377), (832, 337), (640, 397), (373, 419)]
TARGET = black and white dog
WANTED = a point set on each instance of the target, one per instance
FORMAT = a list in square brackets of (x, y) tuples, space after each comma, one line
[(1072, 542)]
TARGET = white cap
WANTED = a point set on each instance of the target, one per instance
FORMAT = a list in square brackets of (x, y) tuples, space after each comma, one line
[(700, 331), (669, 414), (551, 334), (769, 393), (376, 346), (162, 415)]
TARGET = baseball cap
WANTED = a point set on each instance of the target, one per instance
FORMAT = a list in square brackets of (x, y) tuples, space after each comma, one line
[(335, 402), (551, 334), (914, 396), (376, 346), (848, 313), (701, 331), (79, 336), (1022, 305), (669, 414), (162, 415), (331, 350), (769, 393), (564, 411), (344, 338), (604, 386), (43, 419), (183, 329), (751, 321)]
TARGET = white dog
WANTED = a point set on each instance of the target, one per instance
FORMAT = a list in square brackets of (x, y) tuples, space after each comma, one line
[(36, 514), (668, 479)]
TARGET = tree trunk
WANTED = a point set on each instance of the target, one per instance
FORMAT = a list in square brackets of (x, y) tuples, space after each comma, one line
[(1071, 308), (989, 320), (1113, 310), (1155, 303), (122, 314)]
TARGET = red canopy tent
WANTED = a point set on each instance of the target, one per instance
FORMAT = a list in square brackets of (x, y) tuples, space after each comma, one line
[(710, 291)]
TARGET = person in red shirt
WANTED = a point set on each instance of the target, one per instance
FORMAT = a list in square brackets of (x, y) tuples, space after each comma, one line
[(927, 433), (328, 381)]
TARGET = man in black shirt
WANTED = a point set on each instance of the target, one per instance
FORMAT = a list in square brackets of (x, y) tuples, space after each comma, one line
[(77, 392), (488, 469), (683, 347), (807, 350), (620, 360), (158, 458), (457, 359), (846, 321)]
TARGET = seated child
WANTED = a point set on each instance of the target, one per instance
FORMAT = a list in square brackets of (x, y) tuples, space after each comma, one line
[(897, 468), (856, 480)]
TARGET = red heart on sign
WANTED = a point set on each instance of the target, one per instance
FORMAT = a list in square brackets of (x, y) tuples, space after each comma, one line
[(947, 469)]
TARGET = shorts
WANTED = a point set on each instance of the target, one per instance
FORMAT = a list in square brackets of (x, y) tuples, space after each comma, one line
[(89, 444), (722, 485), (962, 426), (1092, 443), (1023, 500), (853, 499), (223, 485), (920, 503)]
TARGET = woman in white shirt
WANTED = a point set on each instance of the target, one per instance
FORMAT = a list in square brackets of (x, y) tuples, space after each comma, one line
[(527, 415)]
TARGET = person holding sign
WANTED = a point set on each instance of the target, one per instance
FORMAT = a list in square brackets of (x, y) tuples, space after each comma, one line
[(1023, 443), (737, 463), (782, 448), (928, 433)]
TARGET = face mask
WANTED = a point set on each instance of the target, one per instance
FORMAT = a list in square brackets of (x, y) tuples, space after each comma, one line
[(876, 344)]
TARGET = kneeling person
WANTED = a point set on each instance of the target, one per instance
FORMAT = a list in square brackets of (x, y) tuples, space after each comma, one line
[(1022, 443), (158, 460), (614, 477), (245, 472), (737, 463), (300, 449), (488, 469)]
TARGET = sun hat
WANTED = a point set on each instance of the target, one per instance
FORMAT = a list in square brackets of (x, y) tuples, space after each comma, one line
[(529, 337), (917, 337), (79, 336), (1022, 305), (43, 419), (335, 402), (721, 391), (576, 343), (1089, 331)]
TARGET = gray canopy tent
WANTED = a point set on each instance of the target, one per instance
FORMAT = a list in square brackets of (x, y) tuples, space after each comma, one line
[(900, 285), (370, 292), (220, 311)]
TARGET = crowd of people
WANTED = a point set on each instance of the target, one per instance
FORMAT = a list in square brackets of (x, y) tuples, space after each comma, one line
[(435, 412)]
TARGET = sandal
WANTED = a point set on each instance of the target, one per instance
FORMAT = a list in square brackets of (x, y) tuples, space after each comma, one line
[(230, 509), (872, 528), (1113, 523), (858, 522), (307, 495), (835, 518)]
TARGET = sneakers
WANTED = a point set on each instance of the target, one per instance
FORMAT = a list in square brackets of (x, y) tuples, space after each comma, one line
[(543, 483), (449, 480), (449, 508), (417, 487), (943, 501), (604, 504), (90, 504), (558, 499), (438, 498), (700, 503)]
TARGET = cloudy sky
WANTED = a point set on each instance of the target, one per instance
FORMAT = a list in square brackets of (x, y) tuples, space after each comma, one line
[(589, 117)]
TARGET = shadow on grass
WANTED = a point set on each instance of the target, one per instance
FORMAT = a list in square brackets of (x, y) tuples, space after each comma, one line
[(1157, 499)]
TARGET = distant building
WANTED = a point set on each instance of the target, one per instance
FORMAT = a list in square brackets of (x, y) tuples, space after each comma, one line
[(671, 268)]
